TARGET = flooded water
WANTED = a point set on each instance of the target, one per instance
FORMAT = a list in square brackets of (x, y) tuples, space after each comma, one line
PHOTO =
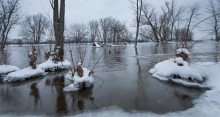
[(122, 79)]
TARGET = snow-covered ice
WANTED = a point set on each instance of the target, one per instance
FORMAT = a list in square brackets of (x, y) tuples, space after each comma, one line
[(24, 74), (74, 82), (5, 69), (49, 65)]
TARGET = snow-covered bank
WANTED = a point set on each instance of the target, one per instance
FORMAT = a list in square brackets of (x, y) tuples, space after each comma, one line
[(49, 65), (5, 69), (24, 74)]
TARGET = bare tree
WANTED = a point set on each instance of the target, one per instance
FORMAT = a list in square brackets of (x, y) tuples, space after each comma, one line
[(78, 32), (150, 19), (34, 27), (193, 14), (213, 10), (9, 17), (117, 30), (162, 27), (93, 30), (137, 6), (58, 23), (105, 24), (175, 18)]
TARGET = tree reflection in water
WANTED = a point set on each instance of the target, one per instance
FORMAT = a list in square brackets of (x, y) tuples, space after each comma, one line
[(61, 105), (35, 93), (80, 98), (76, 99)]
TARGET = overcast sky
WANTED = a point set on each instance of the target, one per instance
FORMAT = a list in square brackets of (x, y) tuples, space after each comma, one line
[(82, 11)]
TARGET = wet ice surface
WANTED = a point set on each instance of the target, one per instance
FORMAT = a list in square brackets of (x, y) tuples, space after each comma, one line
[(122, 80)]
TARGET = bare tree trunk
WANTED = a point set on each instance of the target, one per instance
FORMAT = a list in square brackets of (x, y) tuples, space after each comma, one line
[(61, 34), (193, 14), (138, 18), (58, 20), (212, 9)]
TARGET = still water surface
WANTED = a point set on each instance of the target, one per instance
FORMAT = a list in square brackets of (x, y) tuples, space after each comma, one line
[(122, 79)]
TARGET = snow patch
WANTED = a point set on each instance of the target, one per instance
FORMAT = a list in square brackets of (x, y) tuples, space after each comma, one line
[(24, 74), (49, 65), (5, 69)]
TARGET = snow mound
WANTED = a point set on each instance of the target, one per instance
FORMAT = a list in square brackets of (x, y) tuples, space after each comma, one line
[(178, 71), (76, 82), (24, 74), (184, 50), (5, 69), (49, 65)]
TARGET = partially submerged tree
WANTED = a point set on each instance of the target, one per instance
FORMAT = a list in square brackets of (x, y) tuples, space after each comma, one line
[(137, 6), (150, 19), (58, 24), (169, 25), (9, 17), (34, 27)]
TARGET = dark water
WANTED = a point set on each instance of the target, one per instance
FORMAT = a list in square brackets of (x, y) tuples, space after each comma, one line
[(122, 79)]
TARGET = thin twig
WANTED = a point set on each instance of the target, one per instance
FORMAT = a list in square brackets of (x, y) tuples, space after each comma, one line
[(98, 60), (100, 85)]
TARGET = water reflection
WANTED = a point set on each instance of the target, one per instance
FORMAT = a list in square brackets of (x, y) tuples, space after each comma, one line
[(61, 105), (35, 93), (5, 94), (80, 100), (139, 81)]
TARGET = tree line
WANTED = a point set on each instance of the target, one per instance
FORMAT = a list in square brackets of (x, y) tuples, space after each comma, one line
[(172, 23)]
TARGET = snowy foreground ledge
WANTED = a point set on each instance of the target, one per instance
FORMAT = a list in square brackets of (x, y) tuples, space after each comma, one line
[(5, 69), (49, 65), (178, 71), (75, 82), (24, 74)]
